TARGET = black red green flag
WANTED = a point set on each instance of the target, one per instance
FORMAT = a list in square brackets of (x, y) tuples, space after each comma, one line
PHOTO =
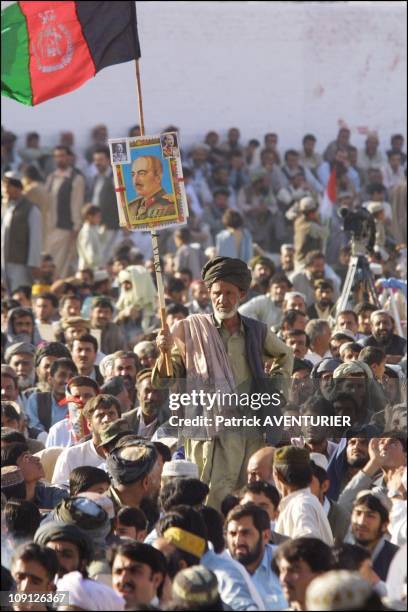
[(51, 48)]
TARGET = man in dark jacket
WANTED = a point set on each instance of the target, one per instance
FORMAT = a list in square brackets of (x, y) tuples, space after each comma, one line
[(21, 235)]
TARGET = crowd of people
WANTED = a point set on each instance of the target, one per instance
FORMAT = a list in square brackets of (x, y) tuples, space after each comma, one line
[(119, 486)]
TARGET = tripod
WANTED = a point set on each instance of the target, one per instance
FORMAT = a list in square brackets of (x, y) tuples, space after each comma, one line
[(359, 279)]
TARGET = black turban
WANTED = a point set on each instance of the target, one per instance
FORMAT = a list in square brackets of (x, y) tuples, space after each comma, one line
[(125, 471), (228, 269), (51, 531)]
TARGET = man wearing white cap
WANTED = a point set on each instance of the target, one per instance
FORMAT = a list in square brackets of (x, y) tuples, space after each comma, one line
[(377, 209), (180, 468), (309, 235)]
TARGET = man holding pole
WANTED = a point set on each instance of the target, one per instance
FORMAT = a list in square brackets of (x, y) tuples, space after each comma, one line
[(223, 351)]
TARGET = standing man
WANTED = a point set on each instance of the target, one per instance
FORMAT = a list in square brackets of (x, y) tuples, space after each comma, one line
[(66, 186), (309, 234), (102, 194), (21, 235), (112, 339), (227, 347)]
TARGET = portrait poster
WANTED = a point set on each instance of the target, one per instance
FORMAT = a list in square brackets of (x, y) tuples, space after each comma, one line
[(149, 183)]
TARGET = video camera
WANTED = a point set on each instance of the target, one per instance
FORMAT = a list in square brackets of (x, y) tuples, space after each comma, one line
[(361, 226)]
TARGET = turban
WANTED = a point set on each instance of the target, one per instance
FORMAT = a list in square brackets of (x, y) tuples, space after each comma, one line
[(52, 531), (228, 269), (130, 463), (85, 514), (353, 367), (87, 594), (51, 349), (19, 348)]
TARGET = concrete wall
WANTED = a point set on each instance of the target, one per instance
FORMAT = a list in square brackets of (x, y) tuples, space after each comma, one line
[(262, 66)]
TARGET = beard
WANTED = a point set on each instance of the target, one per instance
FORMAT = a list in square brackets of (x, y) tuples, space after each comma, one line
[(358, 462), (222, 315), (383, 340), (25, 382), (324, 303), (263, 283), (251, 556)]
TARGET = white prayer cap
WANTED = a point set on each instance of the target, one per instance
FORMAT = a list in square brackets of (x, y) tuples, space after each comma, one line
[(375, 207), (180, 468), (307, 204), (100, 275), (88, 594), (338, 590), (338, 333), (320, 460), (141, 347), (345, 347), (292, 294), (287, 247)]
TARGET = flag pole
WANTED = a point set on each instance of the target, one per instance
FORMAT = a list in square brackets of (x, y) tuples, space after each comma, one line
[(154, 235)]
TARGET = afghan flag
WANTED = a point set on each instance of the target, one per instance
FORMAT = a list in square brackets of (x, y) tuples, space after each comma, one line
[(329, 198), (51, 48)]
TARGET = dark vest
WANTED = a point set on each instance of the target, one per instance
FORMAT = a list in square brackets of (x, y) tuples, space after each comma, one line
[(382, 562), (107, 203), (18, 241), (255, 335), (44, 405), (64, 216)]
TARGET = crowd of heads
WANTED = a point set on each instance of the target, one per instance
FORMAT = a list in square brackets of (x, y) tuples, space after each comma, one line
[(98, 498)]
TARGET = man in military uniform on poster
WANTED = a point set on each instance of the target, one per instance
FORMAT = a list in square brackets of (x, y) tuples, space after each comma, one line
[(153, 201)]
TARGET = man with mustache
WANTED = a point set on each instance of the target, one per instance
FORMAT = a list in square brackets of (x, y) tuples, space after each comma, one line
[(227, 351), (153, 201), (138, 573), (248, 533), (152, 411), (382, 336), (298, 562), (20, 357)]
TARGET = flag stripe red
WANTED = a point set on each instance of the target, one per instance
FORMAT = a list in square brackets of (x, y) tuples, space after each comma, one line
[(331, 186), (60, 60)]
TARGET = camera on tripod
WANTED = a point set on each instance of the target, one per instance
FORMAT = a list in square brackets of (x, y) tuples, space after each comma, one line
[(361, 227)]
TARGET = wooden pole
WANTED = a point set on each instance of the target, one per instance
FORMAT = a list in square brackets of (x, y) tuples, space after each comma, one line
[(154, 235)]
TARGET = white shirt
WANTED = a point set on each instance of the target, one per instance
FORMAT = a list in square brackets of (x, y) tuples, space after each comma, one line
[(302, 515), (145, 430), (60, 434), (76, 456), (315, 357)]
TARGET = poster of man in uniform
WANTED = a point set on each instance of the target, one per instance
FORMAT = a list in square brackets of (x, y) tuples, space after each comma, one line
[(119, 151), (150, 189)]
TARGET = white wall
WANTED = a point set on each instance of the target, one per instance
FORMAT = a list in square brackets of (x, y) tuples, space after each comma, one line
[(261, 66)]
